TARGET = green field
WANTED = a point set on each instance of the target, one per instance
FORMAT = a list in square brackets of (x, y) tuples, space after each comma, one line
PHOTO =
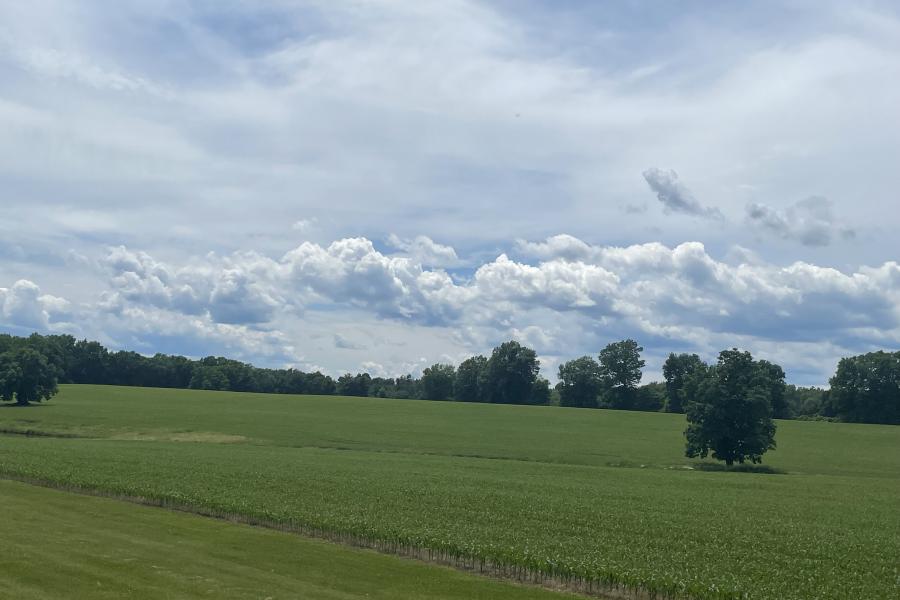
[(601, 495), (60, 545)]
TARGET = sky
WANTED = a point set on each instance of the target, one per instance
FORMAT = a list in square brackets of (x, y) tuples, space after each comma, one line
[(381, 184)]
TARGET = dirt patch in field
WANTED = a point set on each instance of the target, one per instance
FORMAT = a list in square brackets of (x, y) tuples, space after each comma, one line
[(208, 437)]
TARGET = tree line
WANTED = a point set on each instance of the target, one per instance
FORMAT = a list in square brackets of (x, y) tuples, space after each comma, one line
[(865, 388)]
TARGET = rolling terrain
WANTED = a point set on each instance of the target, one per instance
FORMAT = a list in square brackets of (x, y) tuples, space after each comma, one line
[(599, 499)]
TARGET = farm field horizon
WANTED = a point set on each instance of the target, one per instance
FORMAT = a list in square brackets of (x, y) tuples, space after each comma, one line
[(596, 494)]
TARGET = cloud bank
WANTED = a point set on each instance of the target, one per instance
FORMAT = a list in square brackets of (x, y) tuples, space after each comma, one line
[(562, 295)]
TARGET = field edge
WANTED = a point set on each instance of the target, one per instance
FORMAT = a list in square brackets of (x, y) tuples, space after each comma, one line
[(482, 567)]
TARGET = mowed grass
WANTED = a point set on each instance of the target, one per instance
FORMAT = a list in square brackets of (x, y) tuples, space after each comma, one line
[(595, 494), (61, 545)]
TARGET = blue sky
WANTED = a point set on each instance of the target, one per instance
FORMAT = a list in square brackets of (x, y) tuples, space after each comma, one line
[(382, 185)]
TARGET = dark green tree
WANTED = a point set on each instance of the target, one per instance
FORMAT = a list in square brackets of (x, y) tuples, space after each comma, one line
[(676, 370), (804, 402), (510, 374), (208, 377), (620, 372), (354, 385), (650, 397), (437, 382), (10, 375), (540, 392), (729, 410), (469, 383), (408, 387), (866, 388), (26, 376), (318, 383), (579, 383)]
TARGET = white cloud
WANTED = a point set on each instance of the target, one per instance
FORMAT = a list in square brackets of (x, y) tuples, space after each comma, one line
[(576, 298), (683, 285), (425, 251), (563, 246), (236, 299), (23, 306)]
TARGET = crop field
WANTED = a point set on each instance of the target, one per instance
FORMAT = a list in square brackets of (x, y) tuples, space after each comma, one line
[(603, 499), (62, 545)]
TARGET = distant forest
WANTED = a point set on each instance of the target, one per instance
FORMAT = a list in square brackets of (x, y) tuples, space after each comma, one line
[(865, 388)]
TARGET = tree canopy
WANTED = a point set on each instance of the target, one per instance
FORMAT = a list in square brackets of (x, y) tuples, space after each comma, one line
[(437, 382), (510, 374), (866, 388), (354, 385), (676, 370), (620, 372), (26, 376), (579, 383), (469, 383), (729, 409)]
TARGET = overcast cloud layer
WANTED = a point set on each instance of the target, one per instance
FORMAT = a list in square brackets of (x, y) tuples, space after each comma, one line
[(381, 185)]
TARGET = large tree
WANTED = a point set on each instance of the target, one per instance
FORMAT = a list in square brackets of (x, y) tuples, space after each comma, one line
[(729, 409), (540, 392), (437, 382), (26, 376), (620, 372), (208, 377), (469, 383), (676, 370), (650, 397), (510, 374), (866, 388), (354, 385), (579, 383)]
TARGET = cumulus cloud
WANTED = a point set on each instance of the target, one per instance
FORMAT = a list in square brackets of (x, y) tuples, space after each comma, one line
[(150, 329), (558, 246), (811, 222), (24, 306), (235, 298), (657, 289), (233, 291), (425, 251), (567, 297), (138, 278), (674, 196)]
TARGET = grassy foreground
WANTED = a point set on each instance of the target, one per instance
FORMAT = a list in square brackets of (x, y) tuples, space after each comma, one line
[(60, 545), (601, 495)]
